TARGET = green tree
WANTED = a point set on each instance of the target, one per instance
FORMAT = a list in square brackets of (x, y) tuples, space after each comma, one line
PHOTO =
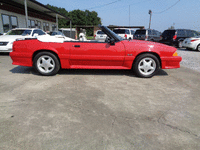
[(78, 17)]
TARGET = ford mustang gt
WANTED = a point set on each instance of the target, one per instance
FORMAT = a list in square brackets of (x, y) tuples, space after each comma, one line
[(49, 56)]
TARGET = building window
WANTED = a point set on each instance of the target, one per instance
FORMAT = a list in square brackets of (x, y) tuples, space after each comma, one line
[(47, 27), (53, 27), (38, 24), (13, 22), (9, 22), (44, 26), (31, 23)]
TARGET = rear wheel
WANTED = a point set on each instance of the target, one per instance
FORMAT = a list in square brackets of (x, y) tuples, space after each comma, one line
[(46, 63), (146, 65), (180, 44)]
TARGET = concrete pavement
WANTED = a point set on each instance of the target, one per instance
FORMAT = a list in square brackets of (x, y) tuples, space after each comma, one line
[(98, 109)]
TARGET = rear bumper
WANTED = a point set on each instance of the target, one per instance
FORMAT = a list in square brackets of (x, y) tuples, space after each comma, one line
[(22, 59), (171, 62)]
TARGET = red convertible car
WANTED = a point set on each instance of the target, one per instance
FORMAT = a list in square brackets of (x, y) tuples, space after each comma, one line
[(48, 56)]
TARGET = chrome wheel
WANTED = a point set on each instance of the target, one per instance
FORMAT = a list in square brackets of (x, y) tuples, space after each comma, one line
[(147, 66), (45, 64)]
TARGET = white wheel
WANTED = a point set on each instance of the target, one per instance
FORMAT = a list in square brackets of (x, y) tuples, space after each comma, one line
[(46, 63), (147, 66)]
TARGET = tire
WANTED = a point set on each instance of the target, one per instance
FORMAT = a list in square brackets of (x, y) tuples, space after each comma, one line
[(180, 44), (198, 48), (146, 65), (46, 63)]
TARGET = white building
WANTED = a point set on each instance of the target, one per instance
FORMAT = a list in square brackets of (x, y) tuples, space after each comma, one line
[(27, 13)]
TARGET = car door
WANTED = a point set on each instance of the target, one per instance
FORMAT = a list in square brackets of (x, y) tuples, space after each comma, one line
[(97, 54)]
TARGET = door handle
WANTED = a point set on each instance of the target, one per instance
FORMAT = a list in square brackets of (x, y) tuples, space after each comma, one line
[(76, 45)]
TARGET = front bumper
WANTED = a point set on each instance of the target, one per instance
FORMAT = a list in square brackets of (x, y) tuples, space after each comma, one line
[(7, 48), (171, 62)]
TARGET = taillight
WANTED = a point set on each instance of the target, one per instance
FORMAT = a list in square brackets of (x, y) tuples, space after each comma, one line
[(193, 40), (174, 37), (94, 35), (125, 36)]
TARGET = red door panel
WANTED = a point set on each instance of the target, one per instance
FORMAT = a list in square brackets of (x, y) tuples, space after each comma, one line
[(97, 54)]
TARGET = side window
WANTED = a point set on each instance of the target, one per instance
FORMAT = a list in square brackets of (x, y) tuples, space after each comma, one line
[(40, 32), (127, 32), (149, 32), (34, 31), (132, 32)]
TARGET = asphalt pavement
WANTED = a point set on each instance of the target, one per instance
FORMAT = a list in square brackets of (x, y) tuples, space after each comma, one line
[(98, 109)]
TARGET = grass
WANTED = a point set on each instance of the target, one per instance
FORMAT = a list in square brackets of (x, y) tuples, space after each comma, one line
[(90, 37)]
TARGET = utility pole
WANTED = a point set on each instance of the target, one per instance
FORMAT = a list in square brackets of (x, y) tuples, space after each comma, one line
[(129, 14), (150, 13)]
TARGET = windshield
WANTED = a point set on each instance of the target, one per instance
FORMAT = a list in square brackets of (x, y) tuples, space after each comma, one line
[(121, 31), (115, 35), (19, 32)]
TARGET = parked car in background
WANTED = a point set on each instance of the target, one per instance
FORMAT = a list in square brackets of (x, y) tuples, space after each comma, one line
[(6, 41), (58, 34), (145, 58), (147, 35), (124, 33), (100, 35), (175, 37), (1, 34), (192, 43)]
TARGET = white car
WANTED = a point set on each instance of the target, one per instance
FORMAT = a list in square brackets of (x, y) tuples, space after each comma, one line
[(192, 43), (100, 36), (6, 41), (125, 33)]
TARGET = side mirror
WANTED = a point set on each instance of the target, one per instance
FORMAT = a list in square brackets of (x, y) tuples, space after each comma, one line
[(111, 41)]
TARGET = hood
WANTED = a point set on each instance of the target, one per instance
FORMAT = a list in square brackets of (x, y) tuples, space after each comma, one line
[(11, 38)]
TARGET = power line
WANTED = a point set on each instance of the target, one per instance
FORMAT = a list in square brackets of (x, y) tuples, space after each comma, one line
[(167, 8), (103, 5)]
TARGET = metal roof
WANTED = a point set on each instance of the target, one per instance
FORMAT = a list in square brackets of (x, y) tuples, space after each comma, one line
[(35, 5)]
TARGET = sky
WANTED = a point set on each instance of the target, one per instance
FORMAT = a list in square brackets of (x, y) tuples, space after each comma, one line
[(165, 13)]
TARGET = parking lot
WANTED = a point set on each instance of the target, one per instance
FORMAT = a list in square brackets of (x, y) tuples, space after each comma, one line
[(100, 109)]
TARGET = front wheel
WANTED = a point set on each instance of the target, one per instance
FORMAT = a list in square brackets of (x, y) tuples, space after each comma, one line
[(146, 65), (198, 48), (46, 63)]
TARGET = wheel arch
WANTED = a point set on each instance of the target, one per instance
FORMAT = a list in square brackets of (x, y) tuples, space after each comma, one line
[(155, 54), (45, 50)]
